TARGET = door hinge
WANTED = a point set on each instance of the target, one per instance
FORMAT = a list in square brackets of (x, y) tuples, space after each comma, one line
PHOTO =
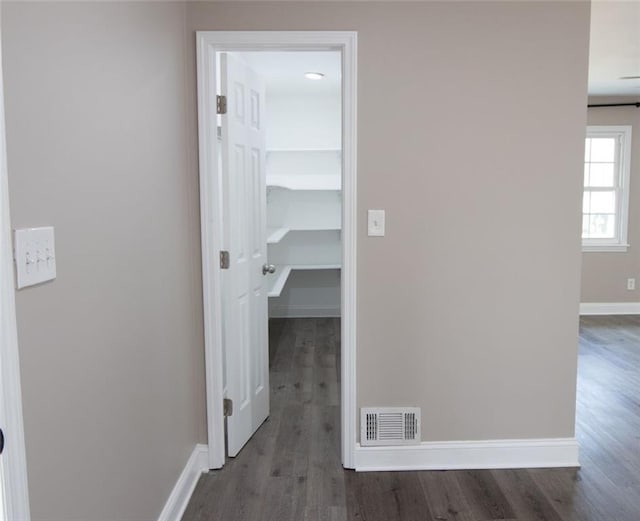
[(227, 407), (224, 260), (221, 104)]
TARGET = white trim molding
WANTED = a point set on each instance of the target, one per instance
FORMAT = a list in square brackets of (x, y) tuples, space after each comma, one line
[(610, 308), (208, 45), (197, 464), (489, 454), (13, 462), (609, 248)]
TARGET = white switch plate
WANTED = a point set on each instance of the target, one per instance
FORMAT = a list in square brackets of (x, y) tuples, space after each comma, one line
[(376, 223), (35, 256)]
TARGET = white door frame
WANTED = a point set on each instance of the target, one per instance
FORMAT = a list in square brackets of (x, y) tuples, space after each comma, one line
[(208, 44), (13, 460)]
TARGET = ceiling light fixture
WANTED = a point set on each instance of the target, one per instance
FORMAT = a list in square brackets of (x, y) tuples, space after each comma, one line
[(313, 75), (629, 77)]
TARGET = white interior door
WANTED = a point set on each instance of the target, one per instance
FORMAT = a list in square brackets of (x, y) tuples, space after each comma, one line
[(245, 333)]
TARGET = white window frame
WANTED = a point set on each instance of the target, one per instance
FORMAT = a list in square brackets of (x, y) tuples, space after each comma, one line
[(622, 133)]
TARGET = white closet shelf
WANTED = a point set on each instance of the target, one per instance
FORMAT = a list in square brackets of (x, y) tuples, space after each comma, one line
[(316, 266), (275, 235), (316, 229), (306, 181), (279, 280), (285, 150), (283, 271)]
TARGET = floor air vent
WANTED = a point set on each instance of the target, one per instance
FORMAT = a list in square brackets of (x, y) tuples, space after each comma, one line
[(389, 426)]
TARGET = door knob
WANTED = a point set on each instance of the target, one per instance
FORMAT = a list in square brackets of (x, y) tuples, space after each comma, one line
[(268, 268)]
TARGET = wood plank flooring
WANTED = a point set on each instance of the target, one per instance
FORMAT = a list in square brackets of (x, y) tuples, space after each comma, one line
[(291, 471)]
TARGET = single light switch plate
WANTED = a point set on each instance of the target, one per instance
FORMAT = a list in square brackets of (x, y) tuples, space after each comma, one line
[(376, 223), (35, 256)]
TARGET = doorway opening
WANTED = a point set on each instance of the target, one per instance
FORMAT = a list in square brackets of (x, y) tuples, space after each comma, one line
[(281, 143), (277, 171)]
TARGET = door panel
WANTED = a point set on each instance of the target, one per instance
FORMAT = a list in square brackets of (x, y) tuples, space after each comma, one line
[(246, 338)]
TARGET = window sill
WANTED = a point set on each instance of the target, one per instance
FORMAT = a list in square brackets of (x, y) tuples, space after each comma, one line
[(605, 248)]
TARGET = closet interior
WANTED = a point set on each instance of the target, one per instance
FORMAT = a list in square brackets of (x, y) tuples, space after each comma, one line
[(303, 179)]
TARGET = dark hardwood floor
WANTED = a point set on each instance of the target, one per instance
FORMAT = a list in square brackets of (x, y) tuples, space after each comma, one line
[(290, 470)]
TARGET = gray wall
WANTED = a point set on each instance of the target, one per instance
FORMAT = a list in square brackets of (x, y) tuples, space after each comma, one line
[(604, 274), (467, 308), (111, 351)]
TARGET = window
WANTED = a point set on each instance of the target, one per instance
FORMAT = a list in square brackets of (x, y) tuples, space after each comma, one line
[(605, 203)]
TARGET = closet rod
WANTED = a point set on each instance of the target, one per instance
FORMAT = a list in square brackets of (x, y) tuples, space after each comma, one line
[(636, 104)]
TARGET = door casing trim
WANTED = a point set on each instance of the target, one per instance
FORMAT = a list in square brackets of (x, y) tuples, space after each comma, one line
[(208, 44), (14, 462)]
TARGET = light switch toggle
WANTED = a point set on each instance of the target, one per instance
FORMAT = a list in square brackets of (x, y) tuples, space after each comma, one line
[(34, 255), (375, 223)]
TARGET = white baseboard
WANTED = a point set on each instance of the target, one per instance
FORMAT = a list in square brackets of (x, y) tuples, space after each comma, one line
[(610, 308), (490, 454), (302, 311), (179, 498)]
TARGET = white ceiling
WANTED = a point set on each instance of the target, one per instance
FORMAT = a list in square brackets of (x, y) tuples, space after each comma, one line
[(615, 48), (284, 71)]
